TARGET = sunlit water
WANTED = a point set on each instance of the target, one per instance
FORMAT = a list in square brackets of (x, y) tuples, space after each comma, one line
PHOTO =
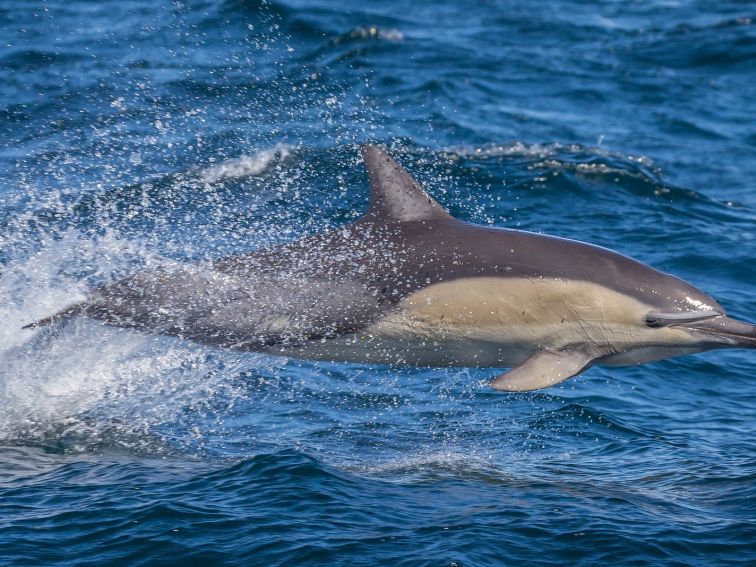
[(139, 133)]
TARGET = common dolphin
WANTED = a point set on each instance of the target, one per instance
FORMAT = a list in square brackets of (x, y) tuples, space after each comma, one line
[(407, 284)]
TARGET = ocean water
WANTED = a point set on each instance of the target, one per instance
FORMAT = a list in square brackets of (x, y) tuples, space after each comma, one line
[(140, 132)]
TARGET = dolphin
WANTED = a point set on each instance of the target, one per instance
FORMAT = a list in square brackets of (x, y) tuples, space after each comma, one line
[(408, 284)]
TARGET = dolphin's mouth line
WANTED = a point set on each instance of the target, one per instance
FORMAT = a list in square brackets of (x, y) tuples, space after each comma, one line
[(725, 334), (723, 327)]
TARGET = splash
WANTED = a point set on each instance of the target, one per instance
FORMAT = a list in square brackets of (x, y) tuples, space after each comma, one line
[(82, 385), (245, 165)]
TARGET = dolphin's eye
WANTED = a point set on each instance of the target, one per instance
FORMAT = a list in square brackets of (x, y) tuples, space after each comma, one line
[(653, 322)]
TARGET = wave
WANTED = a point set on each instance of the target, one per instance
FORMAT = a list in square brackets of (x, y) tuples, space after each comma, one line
[(603, 177), (721, 43), (287, 506)]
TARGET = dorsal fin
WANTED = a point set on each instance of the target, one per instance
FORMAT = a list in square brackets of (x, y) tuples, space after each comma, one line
[(394, 193)]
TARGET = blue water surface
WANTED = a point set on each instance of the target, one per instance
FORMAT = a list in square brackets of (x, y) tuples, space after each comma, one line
[(139, 132)]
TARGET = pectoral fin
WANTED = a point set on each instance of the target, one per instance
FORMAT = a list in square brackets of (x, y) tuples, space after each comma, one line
[(543, 369)]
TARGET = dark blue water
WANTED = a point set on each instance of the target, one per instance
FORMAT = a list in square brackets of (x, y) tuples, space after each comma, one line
[(137, 132)]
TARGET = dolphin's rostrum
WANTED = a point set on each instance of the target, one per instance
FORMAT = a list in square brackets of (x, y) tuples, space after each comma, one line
[(409, 284)]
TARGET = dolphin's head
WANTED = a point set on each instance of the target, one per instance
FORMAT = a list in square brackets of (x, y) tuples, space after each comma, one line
[(677, 318), (691, 311)]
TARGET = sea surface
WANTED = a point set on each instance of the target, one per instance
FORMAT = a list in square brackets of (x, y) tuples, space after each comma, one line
[(135, 132)]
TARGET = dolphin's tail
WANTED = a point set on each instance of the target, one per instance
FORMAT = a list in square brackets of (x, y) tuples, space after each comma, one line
[(65, 314)]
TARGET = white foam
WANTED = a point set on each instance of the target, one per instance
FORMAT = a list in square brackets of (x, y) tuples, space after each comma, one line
[(512, 149), (443, 461), (244, 166)]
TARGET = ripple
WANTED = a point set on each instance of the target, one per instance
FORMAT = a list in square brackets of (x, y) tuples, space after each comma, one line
[(33, 59)]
